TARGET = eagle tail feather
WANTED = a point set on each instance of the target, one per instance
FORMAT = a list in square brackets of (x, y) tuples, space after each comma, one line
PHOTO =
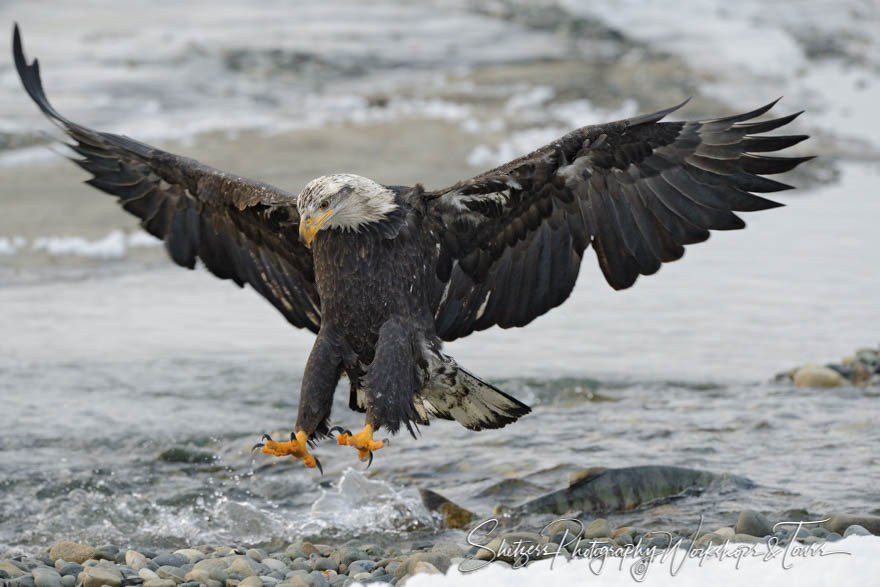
[(472, 402)]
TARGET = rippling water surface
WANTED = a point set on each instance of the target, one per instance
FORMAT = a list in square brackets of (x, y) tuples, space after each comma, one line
[(131, 390)]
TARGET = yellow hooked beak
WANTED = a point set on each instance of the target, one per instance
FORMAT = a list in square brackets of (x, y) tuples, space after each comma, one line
[(309, 227)]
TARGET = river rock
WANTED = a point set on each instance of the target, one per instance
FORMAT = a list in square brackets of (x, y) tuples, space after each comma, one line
[(71, 552), (854, 530), (170, 573), (244, 567), (11, 570), (70, 569), (753, 523), (135, 560), (573, 527), (209, 564), (816, 376), (252, 581), (147, 575), (840, 522), (46, 577), (97, 576), (597, 529), (170, 560), (192, 555), (160, 583)]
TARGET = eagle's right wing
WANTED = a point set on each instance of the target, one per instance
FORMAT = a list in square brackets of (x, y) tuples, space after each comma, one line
[(242, 230)]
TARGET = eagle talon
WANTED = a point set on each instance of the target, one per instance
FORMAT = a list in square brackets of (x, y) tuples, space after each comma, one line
[(363, 442), (295, 447)]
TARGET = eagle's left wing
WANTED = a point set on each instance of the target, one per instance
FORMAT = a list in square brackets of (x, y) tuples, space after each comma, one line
[(508, 243)]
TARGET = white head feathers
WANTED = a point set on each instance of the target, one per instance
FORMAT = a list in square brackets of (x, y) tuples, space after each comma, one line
[(354, 200)]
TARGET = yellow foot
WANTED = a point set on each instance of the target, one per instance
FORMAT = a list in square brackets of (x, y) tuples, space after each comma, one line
[(362, 441), (295, 447)]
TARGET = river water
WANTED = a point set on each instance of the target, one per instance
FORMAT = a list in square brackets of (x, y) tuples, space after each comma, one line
[(131, 390)]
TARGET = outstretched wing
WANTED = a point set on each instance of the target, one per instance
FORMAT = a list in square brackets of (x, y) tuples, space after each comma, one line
[(242, 230), (509, 242)]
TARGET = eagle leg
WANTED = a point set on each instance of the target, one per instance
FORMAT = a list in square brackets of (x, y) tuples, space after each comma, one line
[(362, 441), (295, 447)]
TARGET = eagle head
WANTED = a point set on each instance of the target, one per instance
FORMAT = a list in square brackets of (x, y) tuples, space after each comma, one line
[(343, 202)]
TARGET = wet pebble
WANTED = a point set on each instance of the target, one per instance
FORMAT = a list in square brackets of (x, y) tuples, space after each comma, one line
[(856, 530), (46, 577), (170, 560), (753, 523), (71, 551), (598, 528)]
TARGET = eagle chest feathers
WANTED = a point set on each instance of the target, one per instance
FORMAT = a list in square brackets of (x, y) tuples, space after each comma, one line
[(365, 277)]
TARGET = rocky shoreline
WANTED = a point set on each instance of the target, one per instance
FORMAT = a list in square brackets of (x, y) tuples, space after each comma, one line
[(861, 368), (306, 564)]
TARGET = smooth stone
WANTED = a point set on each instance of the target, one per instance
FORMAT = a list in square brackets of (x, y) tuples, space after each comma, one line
[(23, 581), (209, 564), (325, 564), (448, 550), (561, 526), (624, 539), (46, 577), (244, 567), (309, 549), (71, 552), (833, 537), (160, 583), (11, 570), (252, 581), (318, 579), (97, 576), (347, 555), (726, 532), (255, 554), (68, 581), (366, 564), (856, 530), (274, 564), (753, 523), (298, 581), (425, 567), (219, 574), (59, 564), (269, 579), (435, 559), (840, 522), (171, 573), (817, 376), (147, 575), (135, 560), (170, 560), (192, 555), (201, 575), (820, 532), (598, 528)]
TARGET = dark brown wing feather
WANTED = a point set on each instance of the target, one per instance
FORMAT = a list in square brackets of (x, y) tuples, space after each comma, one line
[(509, 242), (242, 230)]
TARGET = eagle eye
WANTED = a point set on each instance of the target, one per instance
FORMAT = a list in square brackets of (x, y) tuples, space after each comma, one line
[(324, 205)]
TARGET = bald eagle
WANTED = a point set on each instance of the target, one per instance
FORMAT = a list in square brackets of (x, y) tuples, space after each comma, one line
[(383, 274)]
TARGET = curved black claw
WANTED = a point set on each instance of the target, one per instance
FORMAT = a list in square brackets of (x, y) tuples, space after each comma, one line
[(339, 429), (370, 462), (318, 464), (266, 437), (256, 446)]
